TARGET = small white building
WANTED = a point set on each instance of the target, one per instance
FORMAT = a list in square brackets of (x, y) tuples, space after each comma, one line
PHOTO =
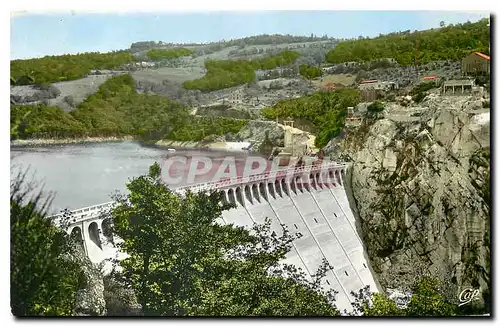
[(236, 97)]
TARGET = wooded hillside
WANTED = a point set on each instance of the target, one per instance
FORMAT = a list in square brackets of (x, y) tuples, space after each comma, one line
[(447, 43), (56, 68)]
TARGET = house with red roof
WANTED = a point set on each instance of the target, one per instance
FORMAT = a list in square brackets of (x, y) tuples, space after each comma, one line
[(432, 77), (475, 64)]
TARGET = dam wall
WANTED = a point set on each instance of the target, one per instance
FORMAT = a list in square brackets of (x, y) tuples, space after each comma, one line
[(311, 202), (318, 210)]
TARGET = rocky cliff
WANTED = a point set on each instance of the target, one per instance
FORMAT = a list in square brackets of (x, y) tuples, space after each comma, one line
[(101, 295), (260, 133), (268, 135), (421, 185), (89, 300)]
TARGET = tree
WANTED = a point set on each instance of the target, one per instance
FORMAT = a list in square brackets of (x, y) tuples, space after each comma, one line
[(166, 54), (376, 107), (374, 304), (64, 67), (326, 111), (117, 109), (310, 72), (15, 122), (426, 300), (228, 73), (43, 281), (183, 263), (450, 43)]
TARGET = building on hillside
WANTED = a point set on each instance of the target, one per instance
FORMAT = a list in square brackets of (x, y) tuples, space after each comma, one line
[(369, 95), (292, 145), (475, 64), (433, 78), (458, 86), (236, 97), (353, 119), (371, 89), (376, 84)]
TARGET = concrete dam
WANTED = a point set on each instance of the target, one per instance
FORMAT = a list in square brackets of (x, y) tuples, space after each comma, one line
[(309, 201)]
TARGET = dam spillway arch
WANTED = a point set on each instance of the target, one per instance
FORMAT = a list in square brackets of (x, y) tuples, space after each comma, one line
[(310, 201)]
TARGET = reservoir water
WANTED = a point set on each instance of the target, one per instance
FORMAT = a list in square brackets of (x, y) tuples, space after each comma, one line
[(80, 175)]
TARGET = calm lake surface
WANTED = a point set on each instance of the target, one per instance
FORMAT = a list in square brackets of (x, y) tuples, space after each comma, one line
[(81, 175)]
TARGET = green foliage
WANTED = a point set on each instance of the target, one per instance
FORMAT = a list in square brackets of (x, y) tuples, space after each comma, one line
[(274, 39), (376, 106), (165, 54), (40, 120), (382, 306), (51, 69), (204, 126), (419, 47), (310, 72), (43, 282), (419, 97), (120, 300), (117, 109), (483, 80), (182, 262), (228, 73), (326, 110), (241, 42), (426, 300), (15, 121)]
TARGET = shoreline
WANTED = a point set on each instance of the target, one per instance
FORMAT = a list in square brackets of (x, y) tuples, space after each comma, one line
[(213, 146), (18, 143), (162, 144)]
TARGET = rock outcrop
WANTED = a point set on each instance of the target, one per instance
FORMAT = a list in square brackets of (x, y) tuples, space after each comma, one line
[(90, 299), (257, 132), (421, 189), (101, 295), (33, 94)]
